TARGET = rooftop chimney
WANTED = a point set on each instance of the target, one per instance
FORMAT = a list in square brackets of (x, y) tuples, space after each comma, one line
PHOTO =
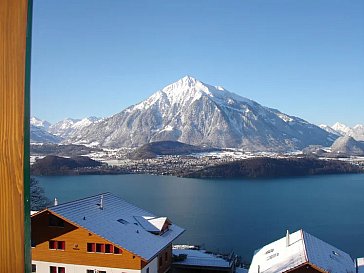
[(55, 202), (287, 238), (102, 202)]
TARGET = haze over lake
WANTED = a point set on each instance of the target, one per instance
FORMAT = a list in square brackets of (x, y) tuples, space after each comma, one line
[(237, 214)]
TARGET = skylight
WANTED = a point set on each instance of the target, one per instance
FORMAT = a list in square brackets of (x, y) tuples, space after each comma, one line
[(122, 221)]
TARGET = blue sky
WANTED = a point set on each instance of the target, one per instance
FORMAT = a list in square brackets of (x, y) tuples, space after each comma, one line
[(305, 58)]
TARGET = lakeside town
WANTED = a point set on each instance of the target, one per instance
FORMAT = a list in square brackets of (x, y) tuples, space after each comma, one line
[(51, 159)]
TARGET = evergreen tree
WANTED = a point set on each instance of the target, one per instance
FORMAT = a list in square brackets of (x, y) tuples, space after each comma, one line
[(38, 200)]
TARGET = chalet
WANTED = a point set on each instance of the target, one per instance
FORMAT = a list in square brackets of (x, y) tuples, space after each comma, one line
[(301, 252), (101, 234)]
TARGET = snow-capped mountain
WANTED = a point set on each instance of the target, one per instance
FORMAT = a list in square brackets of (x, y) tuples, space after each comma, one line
[(40, 135), (39, 132), (39, 123), (348, 146), (69, 127), (341, 128), (357, 132), (329, 129), (193, 112)]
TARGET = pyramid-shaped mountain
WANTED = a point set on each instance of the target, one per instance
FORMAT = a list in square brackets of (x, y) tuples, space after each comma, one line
[(193, 112)]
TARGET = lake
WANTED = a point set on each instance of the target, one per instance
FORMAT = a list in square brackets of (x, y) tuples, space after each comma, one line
[(237, 214)]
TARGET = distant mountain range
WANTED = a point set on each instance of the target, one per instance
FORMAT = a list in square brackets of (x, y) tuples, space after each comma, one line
[(42, 131), (339, 129), (195, 113)]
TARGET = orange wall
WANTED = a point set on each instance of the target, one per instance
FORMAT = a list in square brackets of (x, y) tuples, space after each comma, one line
[(42, 233)]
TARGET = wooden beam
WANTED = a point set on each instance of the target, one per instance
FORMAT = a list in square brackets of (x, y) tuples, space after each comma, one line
[(14, 135)]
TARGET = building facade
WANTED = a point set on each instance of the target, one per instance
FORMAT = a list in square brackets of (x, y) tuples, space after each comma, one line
[(102, 234)]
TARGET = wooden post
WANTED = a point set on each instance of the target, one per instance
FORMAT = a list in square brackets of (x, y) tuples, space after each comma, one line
[(15, 26)]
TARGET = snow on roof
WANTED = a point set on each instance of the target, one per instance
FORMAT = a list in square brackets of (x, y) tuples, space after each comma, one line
[(116, 222), (151, 224), (276, 257), (200, 258), (303, 248), (326, 256), (360, 264), (157, 222)]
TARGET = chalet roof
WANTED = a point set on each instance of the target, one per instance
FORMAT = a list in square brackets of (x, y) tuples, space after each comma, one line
[(303, 248), (115, 220), (201, 258)]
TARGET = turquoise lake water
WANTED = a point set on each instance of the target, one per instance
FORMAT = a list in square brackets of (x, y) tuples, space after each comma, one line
[(237, 214)]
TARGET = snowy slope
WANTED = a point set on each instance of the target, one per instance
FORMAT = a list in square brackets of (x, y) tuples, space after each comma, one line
[(341, 128), (39, 123), (40, 135), (193, 112), (357, 132), (329, 129), (69, 127), (348, 146)]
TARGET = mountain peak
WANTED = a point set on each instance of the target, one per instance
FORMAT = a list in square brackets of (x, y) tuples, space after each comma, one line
[(184, 83), (39, 122), (341, 128), (189, 79)]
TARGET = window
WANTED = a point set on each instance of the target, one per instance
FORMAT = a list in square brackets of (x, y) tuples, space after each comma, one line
[(90, 271), (117, 250), (54, 221), (103, 248), (91, 247), (53, 269), (100, 248), (108, 248), (101, 271), (166, 256), (52, 244), (34, 268), (160, 261), (147, 271), (59, 245)]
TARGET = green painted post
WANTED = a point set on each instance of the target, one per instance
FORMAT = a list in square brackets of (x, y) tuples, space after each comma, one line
[(27, 234)]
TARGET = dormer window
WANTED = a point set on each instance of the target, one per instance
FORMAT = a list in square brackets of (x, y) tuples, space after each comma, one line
[(154, 225)]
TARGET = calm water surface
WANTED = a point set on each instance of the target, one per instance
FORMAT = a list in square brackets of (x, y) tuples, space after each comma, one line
[(239, 215)]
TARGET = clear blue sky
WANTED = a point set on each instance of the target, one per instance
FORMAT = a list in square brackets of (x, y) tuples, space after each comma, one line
[(305, 58)]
